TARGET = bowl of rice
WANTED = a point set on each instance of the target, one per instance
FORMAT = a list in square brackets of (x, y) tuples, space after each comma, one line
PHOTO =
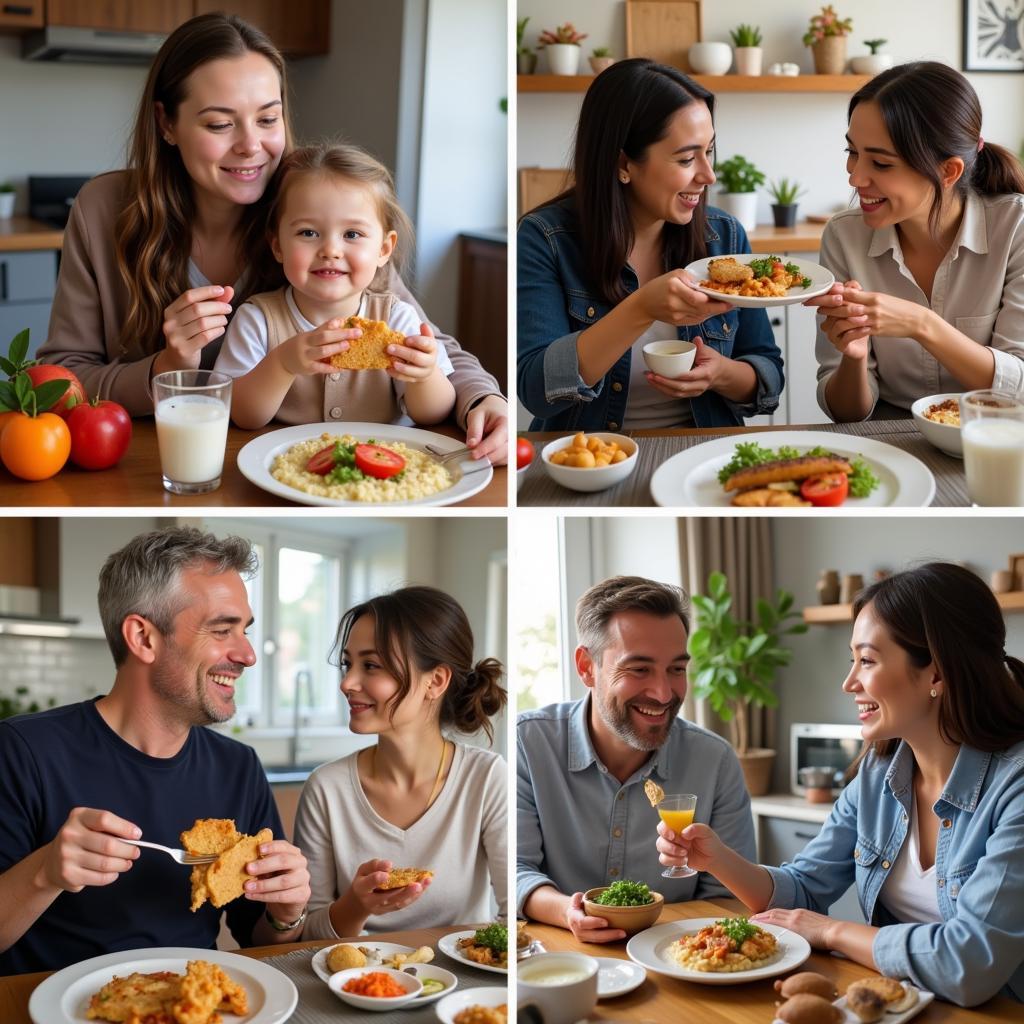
[(938, 419)]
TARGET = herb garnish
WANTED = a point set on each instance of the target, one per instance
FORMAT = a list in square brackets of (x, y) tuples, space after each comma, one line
[(625, 894)]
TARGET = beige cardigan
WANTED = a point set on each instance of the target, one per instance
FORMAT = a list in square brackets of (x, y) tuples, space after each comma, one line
[(92, 301)]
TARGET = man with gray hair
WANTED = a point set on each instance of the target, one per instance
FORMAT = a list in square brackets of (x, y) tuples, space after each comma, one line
[(135, 763), (584, 819)]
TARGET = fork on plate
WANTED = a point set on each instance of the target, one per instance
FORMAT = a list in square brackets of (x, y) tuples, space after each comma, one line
[(455, 455), (181, 856)]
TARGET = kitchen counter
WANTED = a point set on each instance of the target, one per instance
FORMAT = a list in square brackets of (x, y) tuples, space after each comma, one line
[(805, 237), (22, 234), (788, 805)]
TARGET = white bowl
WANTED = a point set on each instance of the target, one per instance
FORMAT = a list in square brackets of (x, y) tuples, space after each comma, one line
[(944, 436), (457, 1001), (710, 58), (598, 478), (671, 357), (413, 987), (431, 972)]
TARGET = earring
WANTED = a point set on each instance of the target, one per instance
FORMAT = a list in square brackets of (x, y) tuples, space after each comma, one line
[(933, 693), (624, 177)]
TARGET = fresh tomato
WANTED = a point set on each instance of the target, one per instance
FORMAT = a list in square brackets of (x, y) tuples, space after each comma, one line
[(373, 460), (35, 447), (100, 434), (827, 490), (74, 394), (6, 417), (524, 452), (323, 462)]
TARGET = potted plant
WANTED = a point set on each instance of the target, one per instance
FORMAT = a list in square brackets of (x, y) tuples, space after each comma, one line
[(601, 58), (526, 58), (6, 200), (747, 42), (563, 48), (826, 36), (733, 665), (874, 62), (785, 193), (738, 179)]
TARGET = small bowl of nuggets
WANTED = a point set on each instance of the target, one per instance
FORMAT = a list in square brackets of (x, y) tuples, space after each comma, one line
[(938, 419), (590, 462), (475, 1006), (377, 988)]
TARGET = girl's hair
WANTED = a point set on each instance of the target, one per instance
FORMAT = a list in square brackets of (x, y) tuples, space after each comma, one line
[(627, 109), (932, 113), (153, 232), (416, 629), (944, 614), (348, 163)]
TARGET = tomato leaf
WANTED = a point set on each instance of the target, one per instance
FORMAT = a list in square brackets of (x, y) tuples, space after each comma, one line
[(23, 388), (49, 393), (19, 347), (8, 397), (8, 367)]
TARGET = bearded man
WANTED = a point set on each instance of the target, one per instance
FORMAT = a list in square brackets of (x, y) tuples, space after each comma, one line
[(584, 819)]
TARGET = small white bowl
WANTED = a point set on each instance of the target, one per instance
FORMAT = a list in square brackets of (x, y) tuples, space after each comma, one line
[(413, 987), (944, 436), (495, 995), (598, 478), (431, 972), (670, 358)]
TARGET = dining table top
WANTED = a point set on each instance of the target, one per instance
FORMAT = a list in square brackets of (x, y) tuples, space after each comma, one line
[(136, 481), (662, 999), (537, 488)]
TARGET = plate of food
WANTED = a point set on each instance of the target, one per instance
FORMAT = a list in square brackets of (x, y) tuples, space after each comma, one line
[(723, 951), (797, 468), (474, 1006), (486, 948), (238, 988), (355, 465), (866, 1001), (754, 281), (341, 957)]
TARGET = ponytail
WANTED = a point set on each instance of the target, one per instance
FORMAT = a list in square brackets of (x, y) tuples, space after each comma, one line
[(996, 172), (470, 703)]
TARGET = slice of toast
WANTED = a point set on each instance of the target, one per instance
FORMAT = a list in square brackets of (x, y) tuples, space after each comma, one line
[(654, 792), (209, 836), (370, 351), (399, 877), (226, 876)]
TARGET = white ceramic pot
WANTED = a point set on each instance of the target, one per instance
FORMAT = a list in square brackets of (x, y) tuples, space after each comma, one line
[(599, 64), (870, 64), (742, 205), (563, 58), (748, 60), (6, 205), (710, 58)]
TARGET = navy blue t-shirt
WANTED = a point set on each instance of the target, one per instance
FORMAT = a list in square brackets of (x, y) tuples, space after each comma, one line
[(69, 757)]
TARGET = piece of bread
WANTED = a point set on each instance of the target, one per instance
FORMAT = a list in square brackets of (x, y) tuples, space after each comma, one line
[(399, 877), (804, 1008), (653, 791), (867, 1004), (342, 957), (806, 981), (226, 876), (727, 270), (888, 988), (370, 351), (209, 836)]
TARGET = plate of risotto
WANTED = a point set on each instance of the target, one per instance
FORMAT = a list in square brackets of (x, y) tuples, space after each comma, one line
[(755, 281), (723, 951), (355, 465)]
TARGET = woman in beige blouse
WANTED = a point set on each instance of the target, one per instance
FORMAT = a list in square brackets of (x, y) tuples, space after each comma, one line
[(932, 261)]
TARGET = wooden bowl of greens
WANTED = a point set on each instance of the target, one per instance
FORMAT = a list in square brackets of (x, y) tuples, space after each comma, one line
[(630, 906)]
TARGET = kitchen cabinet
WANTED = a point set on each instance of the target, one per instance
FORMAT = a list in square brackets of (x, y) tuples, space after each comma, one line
[(27, 283), (19, 14), (482, 325), (299, 29), (120, 15)]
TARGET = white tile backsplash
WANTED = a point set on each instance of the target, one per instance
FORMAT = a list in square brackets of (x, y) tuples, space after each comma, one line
[(66, 669)]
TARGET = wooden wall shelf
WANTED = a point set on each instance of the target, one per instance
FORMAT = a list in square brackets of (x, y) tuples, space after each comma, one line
[(847, 84), (835, 614)]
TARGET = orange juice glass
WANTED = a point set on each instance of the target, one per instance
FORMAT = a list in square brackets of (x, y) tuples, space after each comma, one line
[(677, 812)]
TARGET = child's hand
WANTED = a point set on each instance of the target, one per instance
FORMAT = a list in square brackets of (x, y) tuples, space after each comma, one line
[(416, 360), (308, 352)]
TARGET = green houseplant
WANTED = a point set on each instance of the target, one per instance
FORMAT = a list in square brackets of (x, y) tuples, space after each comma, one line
[(18, 705), (739, 178), (826, 36), (562, 46), (526, 56), (748, 53), (785, 193), (601, 58), (733, 665), (874, 62)]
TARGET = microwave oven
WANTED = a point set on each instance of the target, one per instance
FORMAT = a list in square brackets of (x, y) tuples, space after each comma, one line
[(832, 747)]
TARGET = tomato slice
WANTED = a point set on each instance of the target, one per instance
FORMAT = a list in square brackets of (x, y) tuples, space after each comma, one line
[(373, 460), (323, 462), (827, 490)]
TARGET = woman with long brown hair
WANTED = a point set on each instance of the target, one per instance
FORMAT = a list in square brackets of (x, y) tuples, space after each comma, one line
[(156, 258), (930, 828), (932, 260), (416, 798)]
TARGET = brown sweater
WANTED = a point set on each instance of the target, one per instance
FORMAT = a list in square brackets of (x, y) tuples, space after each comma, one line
[(92, 302)]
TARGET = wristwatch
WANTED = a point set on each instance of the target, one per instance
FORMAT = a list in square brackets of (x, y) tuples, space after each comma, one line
[(281, 926)]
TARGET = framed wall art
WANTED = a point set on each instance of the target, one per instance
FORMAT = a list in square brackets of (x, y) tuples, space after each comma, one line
[(994, 35)]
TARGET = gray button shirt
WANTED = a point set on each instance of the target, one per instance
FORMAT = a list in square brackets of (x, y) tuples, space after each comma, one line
[(978, 289), (578, 827)]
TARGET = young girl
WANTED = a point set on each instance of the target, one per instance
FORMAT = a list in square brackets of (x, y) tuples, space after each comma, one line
[(334, 224), (416, 799)]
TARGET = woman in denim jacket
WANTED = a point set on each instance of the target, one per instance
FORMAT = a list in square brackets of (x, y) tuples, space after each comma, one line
[(932, 826), (599, 277)]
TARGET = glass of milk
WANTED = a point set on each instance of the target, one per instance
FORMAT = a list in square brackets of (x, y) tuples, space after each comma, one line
[(191, 409), (992, 429)]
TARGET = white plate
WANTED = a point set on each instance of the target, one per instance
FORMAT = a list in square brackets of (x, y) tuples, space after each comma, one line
[(617, 977), (649, 948), (64, 997), (690, 478), (451, 1005), (923, 999), (256, 458), (319, 961), (448, 945), (821, 281)]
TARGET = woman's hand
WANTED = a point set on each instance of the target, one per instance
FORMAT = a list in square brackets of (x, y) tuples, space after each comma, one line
[(707, 368), (672, 298), (487, 430), (310, 351), (416, 360), (191, 322), (587, 928), (696, 845), (282, 879), (885, 316), (817, 929), (372, 875), (845, 324)]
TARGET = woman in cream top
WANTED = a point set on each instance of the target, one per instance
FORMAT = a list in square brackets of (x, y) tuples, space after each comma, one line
[(415, 799), (932, 263)]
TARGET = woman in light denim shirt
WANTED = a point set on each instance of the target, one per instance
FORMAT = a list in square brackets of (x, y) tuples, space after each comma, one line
[(942, 712), (598, 270)]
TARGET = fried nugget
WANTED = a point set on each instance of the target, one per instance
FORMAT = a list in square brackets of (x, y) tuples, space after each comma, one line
[(728, 271), (654, 792), (399, 877), (226, 876), (779, 470), (768, 497), (209, 836), (370, 351), (897, 997)]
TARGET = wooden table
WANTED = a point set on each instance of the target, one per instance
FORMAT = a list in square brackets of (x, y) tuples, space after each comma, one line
[(135, 480), (665, 1000)]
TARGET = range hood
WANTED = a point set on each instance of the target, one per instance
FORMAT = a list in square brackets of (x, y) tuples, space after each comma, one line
[(24, 611), (91, 45)]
